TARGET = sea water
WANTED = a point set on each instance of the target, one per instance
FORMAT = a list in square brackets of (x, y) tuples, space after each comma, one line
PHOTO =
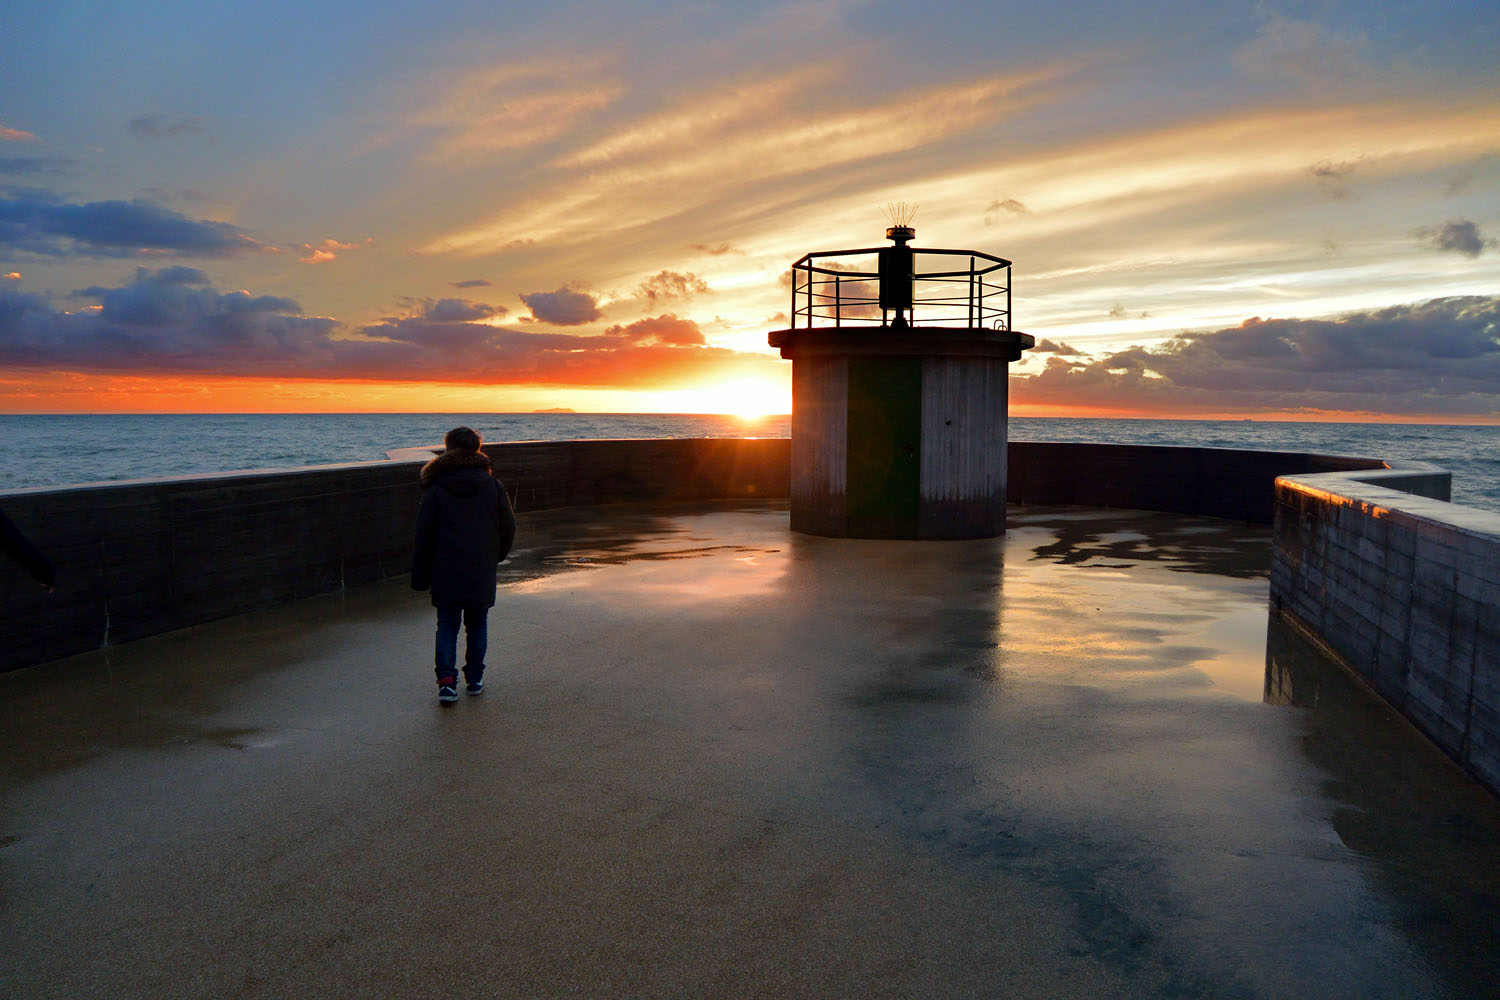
[(58, 450)]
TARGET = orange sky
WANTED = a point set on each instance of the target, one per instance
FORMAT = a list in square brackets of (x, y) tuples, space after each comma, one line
[(592, 208)]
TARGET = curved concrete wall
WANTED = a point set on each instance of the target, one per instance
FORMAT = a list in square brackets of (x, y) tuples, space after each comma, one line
[(1216, 482), (137, 558), (148, 556), (1405, 589)]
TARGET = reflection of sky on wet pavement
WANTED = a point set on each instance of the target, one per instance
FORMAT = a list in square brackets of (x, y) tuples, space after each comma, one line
[(1033, 766), (1136, 606)]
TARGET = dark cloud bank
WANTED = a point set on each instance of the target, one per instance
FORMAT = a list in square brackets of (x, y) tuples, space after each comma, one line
[(1440, 357), (173, 320), (39, 223)]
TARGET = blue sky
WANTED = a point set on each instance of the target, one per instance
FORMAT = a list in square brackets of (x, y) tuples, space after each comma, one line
[(482, 206)]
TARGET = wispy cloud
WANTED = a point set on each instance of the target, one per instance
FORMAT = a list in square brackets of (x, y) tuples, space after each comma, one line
[(34, 165), (1333, 179), (998, 209), (328, 250), (512, 107), (158, 126), (8, 134), (1305, 52), (712, 146)]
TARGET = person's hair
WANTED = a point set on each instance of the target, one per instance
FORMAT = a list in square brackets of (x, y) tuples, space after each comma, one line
[(465, 438)]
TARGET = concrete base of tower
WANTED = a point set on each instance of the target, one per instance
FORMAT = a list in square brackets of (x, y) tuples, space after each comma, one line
[(899, 433)]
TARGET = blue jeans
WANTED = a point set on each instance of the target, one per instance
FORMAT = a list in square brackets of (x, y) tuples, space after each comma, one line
[(476, 640)]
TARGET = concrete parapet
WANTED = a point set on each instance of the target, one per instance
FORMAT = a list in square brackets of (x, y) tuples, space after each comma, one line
[(1405, 588), (1231, 483), (148, 556), (140, 557)]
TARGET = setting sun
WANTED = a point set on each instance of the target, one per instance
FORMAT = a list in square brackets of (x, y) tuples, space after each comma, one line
[(746, 397), (752, 398)]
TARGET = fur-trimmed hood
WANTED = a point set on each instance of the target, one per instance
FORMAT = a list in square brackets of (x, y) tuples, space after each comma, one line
[(452, 461)]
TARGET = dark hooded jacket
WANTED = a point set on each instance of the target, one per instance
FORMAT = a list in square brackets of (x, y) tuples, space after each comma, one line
[(465, 526)]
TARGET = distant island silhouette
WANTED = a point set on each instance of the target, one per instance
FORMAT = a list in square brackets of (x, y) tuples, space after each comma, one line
[(555, 409)]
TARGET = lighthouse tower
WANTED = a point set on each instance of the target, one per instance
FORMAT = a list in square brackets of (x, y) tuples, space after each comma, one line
[(899, 397)]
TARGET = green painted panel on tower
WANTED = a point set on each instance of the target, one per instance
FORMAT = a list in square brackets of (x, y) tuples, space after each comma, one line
[(884, 451)]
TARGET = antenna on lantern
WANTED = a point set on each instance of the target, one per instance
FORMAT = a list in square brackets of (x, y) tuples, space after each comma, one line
[(900, 214)]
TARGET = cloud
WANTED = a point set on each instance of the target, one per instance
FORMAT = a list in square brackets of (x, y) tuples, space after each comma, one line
[(1119, 312), (1457, 236), (836, 297), (447, 324), (1333, 179), (328, 250), (744, 136), (155, 126), (1305, 52), (1006, 206), (454, 310), (714, 250), (563, 307), (664, 329), (1458, 182), (11, 276), (168, 320), (470, 283), (1045, 346), (33, 222), (1436, 357), (513, 107), (8, 134), (671, 285), (173, 320), (34, 165)]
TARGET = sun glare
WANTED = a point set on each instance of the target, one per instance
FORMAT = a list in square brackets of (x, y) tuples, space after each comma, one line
[(747, 398), (750, 398)]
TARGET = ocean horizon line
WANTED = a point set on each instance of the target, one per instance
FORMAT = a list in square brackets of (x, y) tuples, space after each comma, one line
[(1383, 419)]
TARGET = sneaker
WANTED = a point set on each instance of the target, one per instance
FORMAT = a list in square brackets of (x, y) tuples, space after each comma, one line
[(447, 693), (475, 687)]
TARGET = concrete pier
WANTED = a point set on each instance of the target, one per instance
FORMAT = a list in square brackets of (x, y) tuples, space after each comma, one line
[(716, 758)]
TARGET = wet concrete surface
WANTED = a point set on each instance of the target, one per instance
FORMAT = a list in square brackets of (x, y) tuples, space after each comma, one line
[(715, 758)]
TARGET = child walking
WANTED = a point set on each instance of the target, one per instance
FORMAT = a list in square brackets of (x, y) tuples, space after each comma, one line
[(465, 527)]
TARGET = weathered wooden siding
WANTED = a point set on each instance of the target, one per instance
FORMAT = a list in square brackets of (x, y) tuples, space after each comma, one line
[(819, 448), (964, 404)]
